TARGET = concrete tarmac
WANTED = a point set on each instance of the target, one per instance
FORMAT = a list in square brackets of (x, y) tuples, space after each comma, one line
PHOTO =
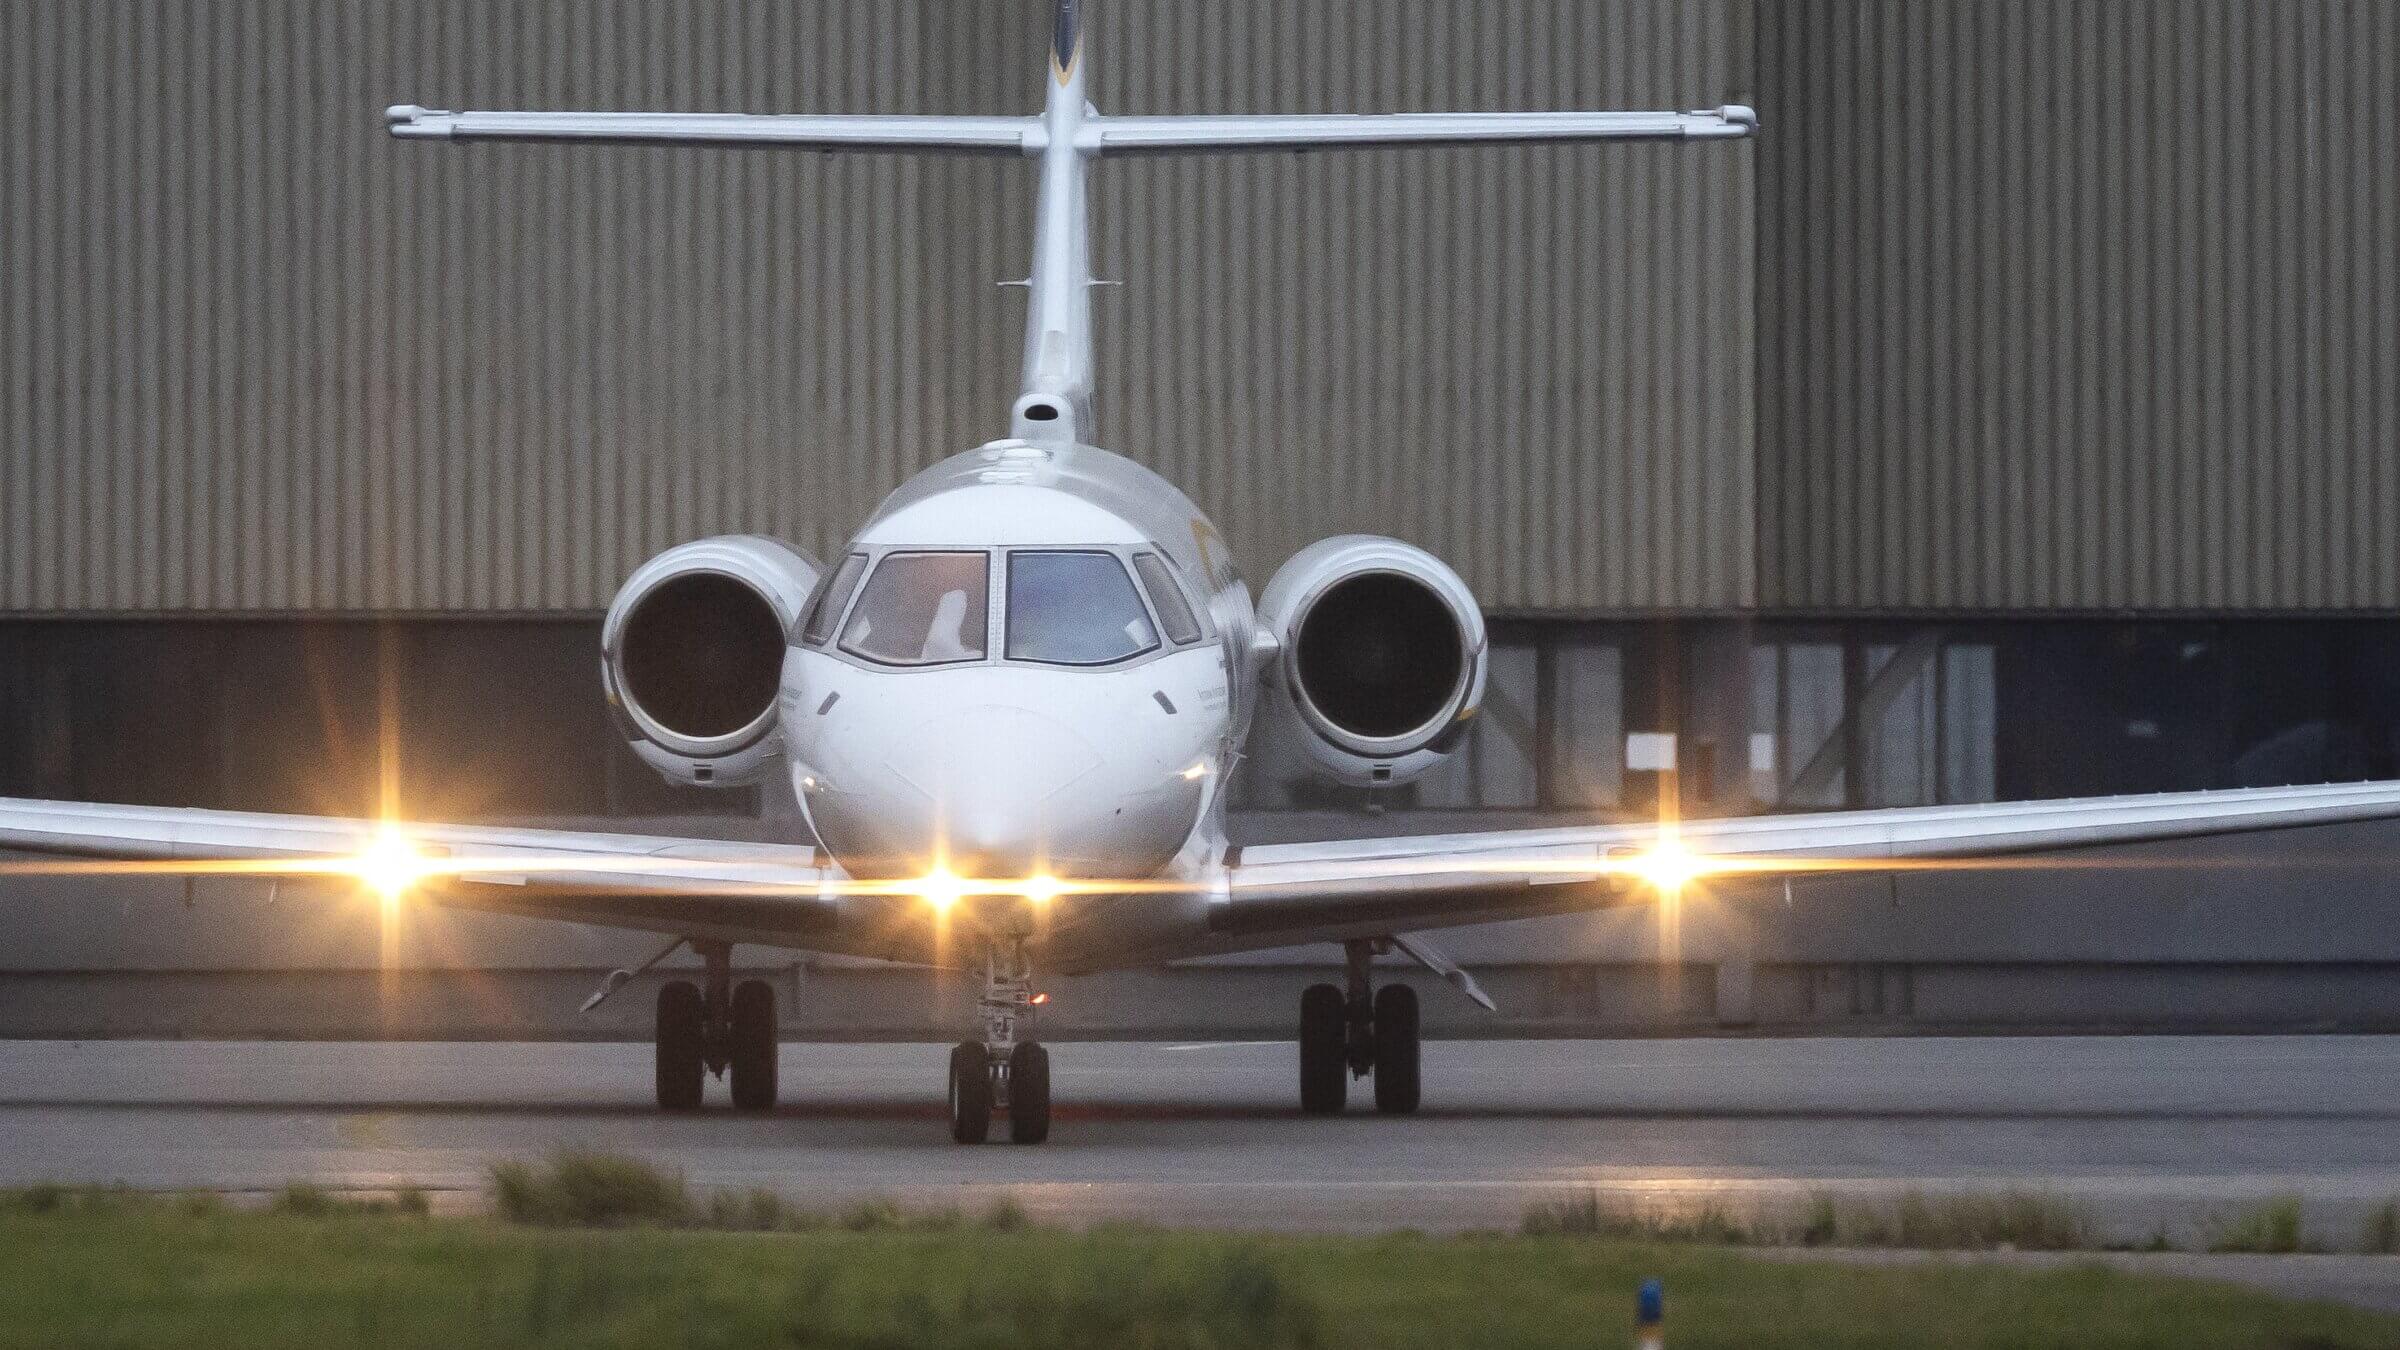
[(2146, 1132)]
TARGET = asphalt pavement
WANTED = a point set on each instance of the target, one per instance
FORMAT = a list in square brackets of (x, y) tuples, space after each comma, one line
[(2144, 1132)]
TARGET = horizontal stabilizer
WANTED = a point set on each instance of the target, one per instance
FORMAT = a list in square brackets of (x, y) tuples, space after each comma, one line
[(956, 135), (1172, 135), (1095, 135)]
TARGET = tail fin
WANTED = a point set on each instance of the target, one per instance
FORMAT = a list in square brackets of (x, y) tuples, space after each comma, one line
[(1066, 39), (1054, 403)]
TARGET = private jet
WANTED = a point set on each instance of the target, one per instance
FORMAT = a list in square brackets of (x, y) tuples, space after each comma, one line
[(1009, 707)]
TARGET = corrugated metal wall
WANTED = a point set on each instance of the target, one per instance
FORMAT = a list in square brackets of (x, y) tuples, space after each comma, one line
[(2080, 305), (2060, 305), (1536, 361), (254, 356), (259, 356)]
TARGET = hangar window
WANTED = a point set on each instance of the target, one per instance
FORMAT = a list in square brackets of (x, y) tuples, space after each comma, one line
[(1074, 609), (828, 610), (1174, 612), (920, 609)]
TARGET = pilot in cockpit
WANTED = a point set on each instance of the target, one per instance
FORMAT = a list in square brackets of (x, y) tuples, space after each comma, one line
[(921, 609)]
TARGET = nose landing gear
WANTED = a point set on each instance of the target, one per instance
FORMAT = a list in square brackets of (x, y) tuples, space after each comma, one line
[(710, 1031), (1358, 1031), (1001, 1072)]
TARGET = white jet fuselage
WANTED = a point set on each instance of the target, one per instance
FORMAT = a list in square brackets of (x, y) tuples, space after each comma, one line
[(965, 747)]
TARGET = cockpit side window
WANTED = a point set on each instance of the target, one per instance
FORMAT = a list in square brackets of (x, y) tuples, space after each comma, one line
[(1166, 597), (1074, 609), (920, 609), (830, 601)]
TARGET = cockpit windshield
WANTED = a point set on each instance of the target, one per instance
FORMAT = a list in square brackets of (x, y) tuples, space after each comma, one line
[(1074, 609), (920, 609), (833, 599), (1174, 612)]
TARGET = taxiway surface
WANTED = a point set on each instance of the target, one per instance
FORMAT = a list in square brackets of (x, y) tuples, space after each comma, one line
[(2144, 1131)]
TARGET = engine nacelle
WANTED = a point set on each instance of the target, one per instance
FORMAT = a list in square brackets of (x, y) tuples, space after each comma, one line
[(1381, 656), (692, 655)]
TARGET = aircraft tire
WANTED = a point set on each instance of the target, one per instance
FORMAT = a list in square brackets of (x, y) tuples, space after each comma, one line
[(754, 1046), (1324, 1072), (1028, 1093), (970, 1092), (1398, 1084), (682, 1045)]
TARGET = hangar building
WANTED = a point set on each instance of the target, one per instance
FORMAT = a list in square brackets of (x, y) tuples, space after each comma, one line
[(2017, 416)]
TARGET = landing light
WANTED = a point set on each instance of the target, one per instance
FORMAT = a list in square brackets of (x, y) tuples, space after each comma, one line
[(941, 889), (390, 865), (1668, 865)]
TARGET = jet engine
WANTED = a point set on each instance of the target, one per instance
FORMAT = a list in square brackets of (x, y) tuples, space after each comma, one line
[(691, 655), (1380, 656)]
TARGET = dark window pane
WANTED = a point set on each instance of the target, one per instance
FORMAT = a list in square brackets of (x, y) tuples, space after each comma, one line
[(1076, 609), (1167, 598)]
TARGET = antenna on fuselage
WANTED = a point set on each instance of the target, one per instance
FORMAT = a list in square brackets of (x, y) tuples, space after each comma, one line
[(1053, 402)]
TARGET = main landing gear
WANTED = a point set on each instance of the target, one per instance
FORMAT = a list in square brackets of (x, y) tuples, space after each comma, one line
[(1000, 1072), (714, 1027), (1351, 1033)]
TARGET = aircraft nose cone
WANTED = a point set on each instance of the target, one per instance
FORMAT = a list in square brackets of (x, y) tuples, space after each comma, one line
[(997, 782)]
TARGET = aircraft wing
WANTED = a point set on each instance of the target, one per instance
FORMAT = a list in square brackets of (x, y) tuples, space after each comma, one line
[(745, 891), (1282, 894)]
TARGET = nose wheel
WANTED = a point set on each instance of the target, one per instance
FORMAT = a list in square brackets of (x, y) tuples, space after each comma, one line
[(1355, 1032), (1001, 1073), (718, 1028)]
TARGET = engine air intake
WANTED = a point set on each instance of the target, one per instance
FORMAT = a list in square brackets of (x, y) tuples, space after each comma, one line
[(692, 655), (702, 654), (1380, 655)]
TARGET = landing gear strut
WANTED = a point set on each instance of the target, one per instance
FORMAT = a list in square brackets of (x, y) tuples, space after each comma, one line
[(1355, 1031), (704, 1031), (1001, 1072)]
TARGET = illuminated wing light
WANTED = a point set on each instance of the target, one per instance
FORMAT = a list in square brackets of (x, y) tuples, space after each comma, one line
[(390, 864), (1668, 866), (941, 889)]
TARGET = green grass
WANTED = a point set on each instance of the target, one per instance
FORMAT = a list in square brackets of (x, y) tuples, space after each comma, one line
[(2270, 1226), (2023, 1220), (590, 1189), (1586, 1214), (303, 1200), (2380, 1234), (578, 1188), (119, 1271)]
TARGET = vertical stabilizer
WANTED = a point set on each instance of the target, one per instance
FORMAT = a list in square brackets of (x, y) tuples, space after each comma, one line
[(1054, 399), (1066, 38)]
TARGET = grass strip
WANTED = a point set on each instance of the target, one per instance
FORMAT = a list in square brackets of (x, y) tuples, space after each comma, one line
[(124, 1272), (1967, 1222), (2013, 1220)]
